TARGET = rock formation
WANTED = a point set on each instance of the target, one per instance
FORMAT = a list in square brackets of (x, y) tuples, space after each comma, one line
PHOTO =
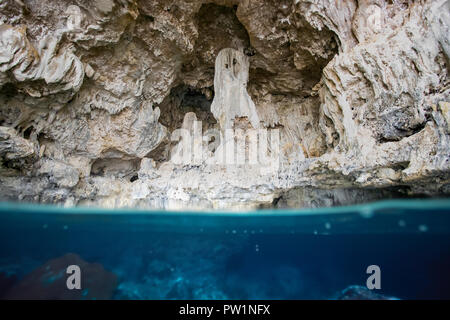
[(92, 91), (231, 99), (361, 293)]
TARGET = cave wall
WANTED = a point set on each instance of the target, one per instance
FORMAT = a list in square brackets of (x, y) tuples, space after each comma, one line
[(91, 92)]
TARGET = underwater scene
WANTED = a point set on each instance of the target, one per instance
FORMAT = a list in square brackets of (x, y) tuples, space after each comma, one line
[(282, 254)]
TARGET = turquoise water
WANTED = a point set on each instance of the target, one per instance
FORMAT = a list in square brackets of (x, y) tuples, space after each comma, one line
[(283, 254)]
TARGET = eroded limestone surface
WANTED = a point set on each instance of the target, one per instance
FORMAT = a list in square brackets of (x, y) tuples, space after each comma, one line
[(231, 99), (91, 93)]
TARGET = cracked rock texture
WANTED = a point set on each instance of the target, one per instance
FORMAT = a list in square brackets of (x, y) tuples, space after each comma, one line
[(91, 93)]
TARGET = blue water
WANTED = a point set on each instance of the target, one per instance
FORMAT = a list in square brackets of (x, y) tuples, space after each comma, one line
[(289, 254)]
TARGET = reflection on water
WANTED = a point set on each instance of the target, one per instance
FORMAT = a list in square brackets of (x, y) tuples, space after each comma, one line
[(272, 255)]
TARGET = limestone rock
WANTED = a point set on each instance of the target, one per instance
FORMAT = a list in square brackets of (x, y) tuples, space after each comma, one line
[(148, 169), (185, 151), (445, 110), (62, 174), (59, 68), (92, 93), (13, 146)]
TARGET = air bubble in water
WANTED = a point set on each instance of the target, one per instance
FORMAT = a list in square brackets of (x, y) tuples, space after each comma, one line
[(366, 213)]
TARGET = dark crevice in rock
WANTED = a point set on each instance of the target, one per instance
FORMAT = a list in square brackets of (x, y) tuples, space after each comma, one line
[(400, 166), (398, 132), (27, 132), (310, 197), (218, 28)]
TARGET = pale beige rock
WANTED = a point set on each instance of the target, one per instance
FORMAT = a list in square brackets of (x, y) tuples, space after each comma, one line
[(61, 71), (231, 99), (64, 175), (148, 169), (444, 107), (91, 93)]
